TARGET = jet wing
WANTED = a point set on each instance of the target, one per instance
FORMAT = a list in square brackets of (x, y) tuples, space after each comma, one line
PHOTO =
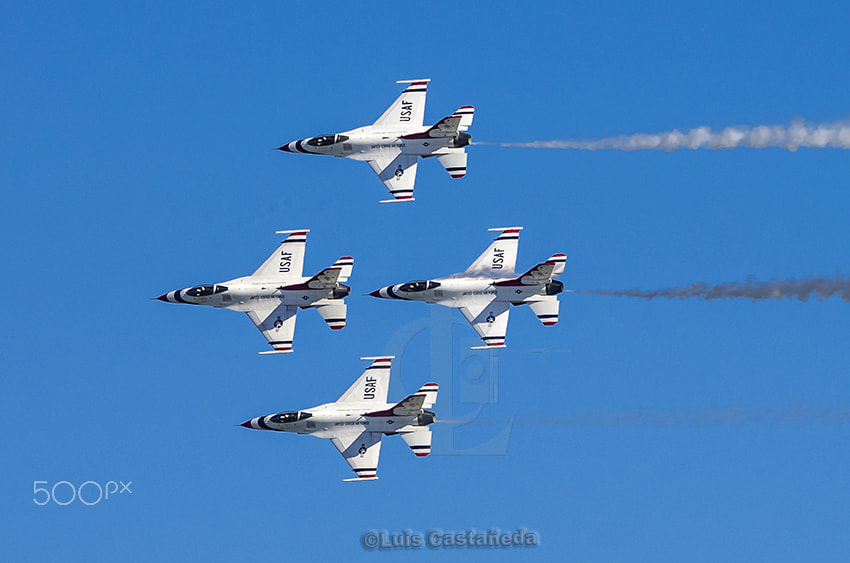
[(277, 323), (398, 175), (361, 451), (500, 256), (490, 321), (409, 108), (372, 387), (288, 260)]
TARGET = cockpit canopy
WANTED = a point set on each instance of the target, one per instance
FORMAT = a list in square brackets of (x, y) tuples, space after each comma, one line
[(205, 290), (418, 285), (284, 417), (326, 140)]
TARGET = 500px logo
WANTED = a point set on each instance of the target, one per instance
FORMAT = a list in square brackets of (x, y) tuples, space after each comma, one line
[(94, 493)]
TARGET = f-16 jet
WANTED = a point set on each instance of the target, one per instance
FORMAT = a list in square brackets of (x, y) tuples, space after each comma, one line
[(393, 144), (358, 420), (487, 289), (272, 295)]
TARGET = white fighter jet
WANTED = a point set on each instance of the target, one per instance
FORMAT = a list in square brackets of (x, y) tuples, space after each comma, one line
[(272, 295), (487, 289), (393, 144), (358, 420)]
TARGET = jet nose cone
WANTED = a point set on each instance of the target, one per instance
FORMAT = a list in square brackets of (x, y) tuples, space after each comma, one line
[(163, 297), (376, 293), (284, 148), (246, 424)]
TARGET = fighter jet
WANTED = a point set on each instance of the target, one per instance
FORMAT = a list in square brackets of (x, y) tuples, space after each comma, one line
[(272, 295), (487, 289), (393, 144), (358, 420)]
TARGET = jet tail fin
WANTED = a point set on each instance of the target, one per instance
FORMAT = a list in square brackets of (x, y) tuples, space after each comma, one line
[(412, 404), (446, 127), (541, 273), (331, 276)]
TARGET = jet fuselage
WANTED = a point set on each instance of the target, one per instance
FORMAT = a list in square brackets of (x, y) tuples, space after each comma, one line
[(450, 290), (365, 143), (243, 294), (326, 421)]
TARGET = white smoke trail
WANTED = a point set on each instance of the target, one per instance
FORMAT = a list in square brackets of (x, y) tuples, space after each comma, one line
[(738, 416), (821, 288), (798, 134)]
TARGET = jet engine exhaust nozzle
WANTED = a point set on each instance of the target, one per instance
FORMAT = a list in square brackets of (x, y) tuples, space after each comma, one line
[(554, 287), (425, 418), (461, 140), (341, 292)]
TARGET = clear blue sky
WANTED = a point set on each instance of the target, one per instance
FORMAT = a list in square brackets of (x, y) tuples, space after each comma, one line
[(136, 157)]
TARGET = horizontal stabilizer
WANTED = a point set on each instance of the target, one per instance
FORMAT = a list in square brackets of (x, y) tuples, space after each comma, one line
[(345, 264), (546, 309), (454, 162), (430, 390), (419, 441), (466, 113), (560, 261), (334, 313)]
